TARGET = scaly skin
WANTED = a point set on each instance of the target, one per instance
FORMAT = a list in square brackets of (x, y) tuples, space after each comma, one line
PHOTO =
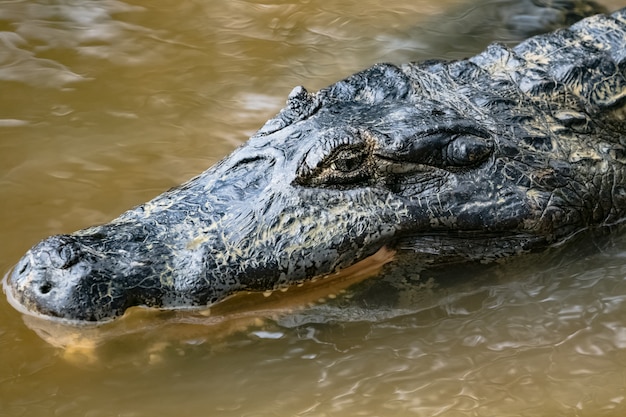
[(511, 150)]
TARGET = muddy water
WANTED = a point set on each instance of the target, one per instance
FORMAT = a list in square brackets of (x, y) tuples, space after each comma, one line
[(105, 104)]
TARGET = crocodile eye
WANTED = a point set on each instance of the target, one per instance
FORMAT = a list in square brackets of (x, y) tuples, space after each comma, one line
[(348, 160), (467, 150), (345, 165)]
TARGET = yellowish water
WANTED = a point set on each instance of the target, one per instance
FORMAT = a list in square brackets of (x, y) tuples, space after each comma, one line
[(104, 104)]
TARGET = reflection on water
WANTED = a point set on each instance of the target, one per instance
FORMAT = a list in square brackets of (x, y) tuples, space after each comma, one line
[(106, 103)]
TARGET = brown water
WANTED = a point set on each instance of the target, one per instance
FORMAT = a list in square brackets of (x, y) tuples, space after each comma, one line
[(105, 104)]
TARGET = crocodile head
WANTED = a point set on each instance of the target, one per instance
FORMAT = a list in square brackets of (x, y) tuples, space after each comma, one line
[(433, 158)]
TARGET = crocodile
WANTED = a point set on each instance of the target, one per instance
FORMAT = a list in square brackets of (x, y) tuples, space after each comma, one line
[(512, 150)]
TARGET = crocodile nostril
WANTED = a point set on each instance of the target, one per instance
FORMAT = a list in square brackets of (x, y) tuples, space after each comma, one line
[(23, 267), (68, 255), (45, 288), (63, 252)]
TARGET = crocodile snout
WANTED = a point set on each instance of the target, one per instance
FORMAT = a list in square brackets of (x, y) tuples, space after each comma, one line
[(50, 279), (42, 281)]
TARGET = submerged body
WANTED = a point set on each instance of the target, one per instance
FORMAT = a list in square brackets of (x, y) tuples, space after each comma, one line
[(511, 150)]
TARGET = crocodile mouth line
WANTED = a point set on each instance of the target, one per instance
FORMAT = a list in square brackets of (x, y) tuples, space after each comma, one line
[(244, 304)]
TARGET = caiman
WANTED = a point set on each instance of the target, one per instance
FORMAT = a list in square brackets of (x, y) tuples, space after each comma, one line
[(512, 150)]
